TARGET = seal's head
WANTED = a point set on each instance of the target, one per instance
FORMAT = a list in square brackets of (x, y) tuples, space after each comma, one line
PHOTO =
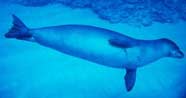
[(172, 50)]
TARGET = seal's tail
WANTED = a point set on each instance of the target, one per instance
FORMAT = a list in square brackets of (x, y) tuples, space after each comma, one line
[(18, 30)]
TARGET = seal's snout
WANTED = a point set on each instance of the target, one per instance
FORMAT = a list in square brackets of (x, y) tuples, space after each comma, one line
[(178, 54)]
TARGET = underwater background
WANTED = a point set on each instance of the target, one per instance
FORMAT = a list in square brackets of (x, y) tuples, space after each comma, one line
[(29, 70)]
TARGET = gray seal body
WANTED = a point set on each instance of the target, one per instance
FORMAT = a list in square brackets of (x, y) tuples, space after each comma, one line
[(99, 45)]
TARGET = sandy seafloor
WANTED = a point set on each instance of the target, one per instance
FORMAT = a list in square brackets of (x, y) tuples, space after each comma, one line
[(28, 70)]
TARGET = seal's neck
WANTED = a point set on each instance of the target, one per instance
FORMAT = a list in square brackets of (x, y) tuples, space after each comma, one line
[(158, 48), (163, 48)]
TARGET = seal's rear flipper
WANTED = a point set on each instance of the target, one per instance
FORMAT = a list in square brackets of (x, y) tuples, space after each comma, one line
[(18, 30), (130, 78)]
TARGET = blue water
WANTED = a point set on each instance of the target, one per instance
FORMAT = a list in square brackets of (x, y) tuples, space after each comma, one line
[(29, 70)]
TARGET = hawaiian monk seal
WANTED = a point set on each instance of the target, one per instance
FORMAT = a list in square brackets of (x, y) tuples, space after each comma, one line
[(98, 45)]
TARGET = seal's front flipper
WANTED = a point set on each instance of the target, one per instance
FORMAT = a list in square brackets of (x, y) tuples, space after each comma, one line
[(121, 43), (130, 78)]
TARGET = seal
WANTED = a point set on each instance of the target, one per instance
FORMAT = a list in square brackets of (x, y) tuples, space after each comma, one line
[(98, 45)]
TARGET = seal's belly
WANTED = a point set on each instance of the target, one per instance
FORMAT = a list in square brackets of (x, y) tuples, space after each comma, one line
[(93, 46)]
